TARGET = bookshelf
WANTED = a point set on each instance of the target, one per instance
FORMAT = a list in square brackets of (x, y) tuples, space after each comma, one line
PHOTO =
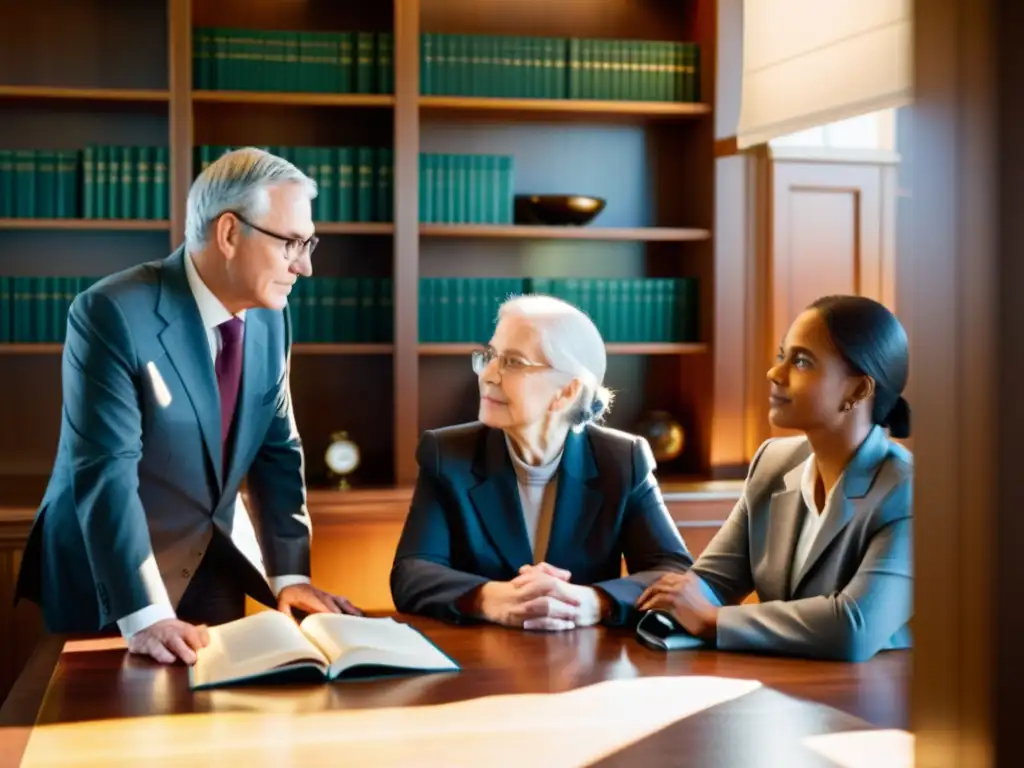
[(118, 74)]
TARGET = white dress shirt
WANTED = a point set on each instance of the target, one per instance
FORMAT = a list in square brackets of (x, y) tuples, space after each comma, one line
[(814, 518), (213, 313)]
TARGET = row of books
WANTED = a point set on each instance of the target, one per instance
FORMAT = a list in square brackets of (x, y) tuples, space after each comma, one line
[(466, 189), (35, 309), (460, 309), (559, 68), (97, 182), (355, 183), (285, 60), (327, 310), (360, 309)]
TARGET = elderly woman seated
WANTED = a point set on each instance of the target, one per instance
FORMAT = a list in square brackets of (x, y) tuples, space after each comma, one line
[(523, 517)]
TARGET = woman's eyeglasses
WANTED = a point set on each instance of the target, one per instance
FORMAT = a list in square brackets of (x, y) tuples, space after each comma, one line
[(506, 362)]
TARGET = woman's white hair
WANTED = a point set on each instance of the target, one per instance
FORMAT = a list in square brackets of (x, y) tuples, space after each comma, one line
[(237, 181), (572, 344)]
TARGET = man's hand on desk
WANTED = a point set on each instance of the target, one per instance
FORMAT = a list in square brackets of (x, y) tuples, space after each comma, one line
[(306, 597), (168, 640), (541, 598)]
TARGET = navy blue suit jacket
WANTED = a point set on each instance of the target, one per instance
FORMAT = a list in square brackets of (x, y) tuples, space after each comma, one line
[(466, 526)]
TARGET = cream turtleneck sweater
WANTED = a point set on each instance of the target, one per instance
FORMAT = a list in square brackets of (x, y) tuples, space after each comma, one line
[(538, 487)]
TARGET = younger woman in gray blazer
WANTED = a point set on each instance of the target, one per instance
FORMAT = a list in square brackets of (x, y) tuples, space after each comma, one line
[(822, 532)]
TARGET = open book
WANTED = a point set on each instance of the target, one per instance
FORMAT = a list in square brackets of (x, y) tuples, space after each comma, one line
[(269, 647)]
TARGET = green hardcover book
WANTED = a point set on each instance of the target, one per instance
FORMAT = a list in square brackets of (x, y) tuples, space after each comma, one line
[(348, 309), (384, 185), (66, 201), (385, 63), (114, 183), (442, 207), (460, 182), (309, 164), (21, 310), (427, 63), (7, 205), (344, 77), (45, 183), (290, 77), (474, 200), (443, 327), (427, 188), (89, 161), (442, 80), (451, 189), (367, 296), (665, 56), (127, 183), (6, 310), (364, 62), (694, 70), (202, 59), (345, 199), (575, 70), (462, 330), (385, 311), (25, 183), (364, 184), (308, 76), (160, 195), (237, 46), (425, 309), (144, 182), (326, 205)]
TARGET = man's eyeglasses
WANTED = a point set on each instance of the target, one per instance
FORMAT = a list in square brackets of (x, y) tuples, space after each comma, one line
[(506, 362), (294, 248)]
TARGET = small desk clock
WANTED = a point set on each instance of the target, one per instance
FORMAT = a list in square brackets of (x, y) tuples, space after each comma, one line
[(342, 457)]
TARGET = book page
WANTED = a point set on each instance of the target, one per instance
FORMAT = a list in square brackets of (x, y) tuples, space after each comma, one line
[(349, 640), (253, 645)]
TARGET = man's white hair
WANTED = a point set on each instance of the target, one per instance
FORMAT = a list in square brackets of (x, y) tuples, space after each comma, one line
[(237, 181), (571, 343)]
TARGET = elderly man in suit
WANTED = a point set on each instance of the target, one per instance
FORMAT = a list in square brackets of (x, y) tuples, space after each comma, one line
[(176, 390)]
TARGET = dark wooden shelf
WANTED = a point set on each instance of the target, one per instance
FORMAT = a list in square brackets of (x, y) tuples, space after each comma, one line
[(630, 348), (296, 99), (355, 228), (342, 349), (52, 93), (563, 108), (519, 231), (121, 225)]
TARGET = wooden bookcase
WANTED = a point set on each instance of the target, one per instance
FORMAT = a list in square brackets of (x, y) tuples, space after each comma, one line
[(118, 71)]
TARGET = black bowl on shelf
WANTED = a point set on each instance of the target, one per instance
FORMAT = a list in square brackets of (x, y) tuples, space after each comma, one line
[(557, 210)]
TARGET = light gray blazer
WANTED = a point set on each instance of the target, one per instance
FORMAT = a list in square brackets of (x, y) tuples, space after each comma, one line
[(853, 595)]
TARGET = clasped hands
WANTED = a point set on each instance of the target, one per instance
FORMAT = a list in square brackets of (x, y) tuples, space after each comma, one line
[(540, 598), (168, 640)]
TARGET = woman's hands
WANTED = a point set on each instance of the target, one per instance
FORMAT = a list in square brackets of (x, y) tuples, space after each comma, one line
[(541, 598), (680, 595)]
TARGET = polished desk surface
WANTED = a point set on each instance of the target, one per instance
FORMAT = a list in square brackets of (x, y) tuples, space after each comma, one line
[(591, 696)]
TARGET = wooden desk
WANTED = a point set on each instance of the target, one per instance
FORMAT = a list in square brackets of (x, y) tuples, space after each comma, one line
[(105, 707)]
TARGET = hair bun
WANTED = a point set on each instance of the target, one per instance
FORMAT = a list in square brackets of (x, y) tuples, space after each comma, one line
[(898, 420)]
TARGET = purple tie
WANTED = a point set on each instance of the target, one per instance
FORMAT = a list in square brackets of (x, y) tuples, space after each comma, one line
[(229, 377)]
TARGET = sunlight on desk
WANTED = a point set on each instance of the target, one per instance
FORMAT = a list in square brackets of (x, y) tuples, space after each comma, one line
[(577, 727), (865, 749)]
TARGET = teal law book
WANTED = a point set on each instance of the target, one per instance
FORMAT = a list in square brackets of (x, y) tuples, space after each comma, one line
[(270, 648)]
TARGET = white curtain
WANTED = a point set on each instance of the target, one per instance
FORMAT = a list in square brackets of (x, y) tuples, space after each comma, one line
[(811, 62)]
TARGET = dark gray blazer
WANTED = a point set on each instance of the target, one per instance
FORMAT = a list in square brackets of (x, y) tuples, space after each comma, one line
[(137, 486), (465, 525), (853, 595)]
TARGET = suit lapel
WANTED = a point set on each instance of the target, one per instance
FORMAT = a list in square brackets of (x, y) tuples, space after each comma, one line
[(856, 482), (576, 503), (253, 385), (186, 343), (496, 500), (786, 517)]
